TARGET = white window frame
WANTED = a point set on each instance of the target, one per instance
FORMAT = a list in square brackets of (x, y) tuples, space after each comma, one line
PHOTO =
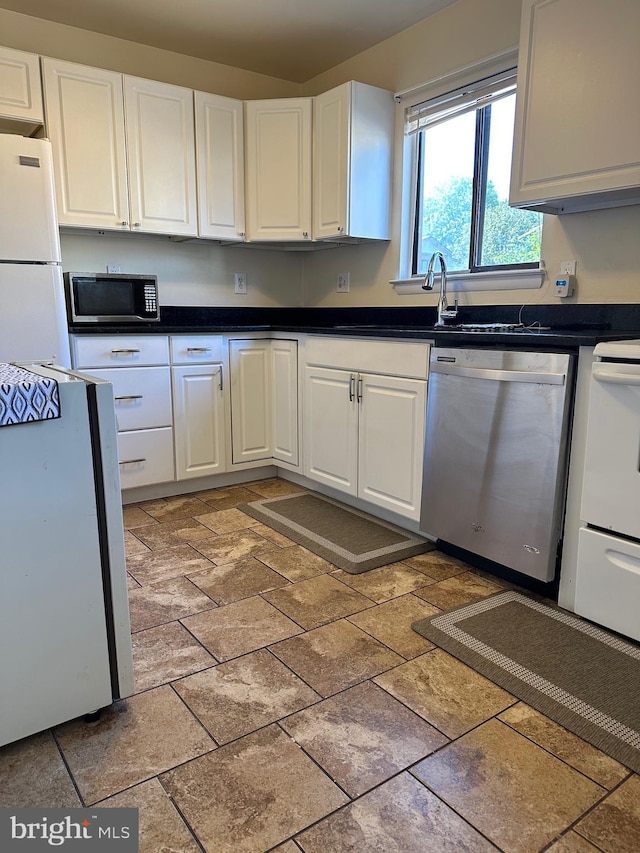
[(405, 283)]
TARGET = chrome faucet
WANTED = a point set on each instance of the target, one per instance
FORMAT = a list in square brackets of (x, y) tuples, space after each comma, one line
[(444, 311)]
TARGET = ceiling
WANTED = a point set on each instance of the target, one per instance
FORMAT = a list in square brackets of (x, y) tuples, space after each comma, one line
[(291, 39)]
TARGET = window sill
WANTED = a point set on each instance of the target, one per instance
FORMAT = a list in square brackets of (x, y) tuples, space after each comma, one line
[(477, 281)]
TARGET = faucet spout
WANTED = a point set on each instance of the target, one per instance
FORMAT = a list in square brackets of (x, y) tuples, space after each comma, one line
[(445, 312)]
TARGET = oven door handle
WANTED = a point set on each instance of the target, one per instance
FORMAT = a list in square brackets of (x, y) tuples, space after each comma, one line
[(601, 374)]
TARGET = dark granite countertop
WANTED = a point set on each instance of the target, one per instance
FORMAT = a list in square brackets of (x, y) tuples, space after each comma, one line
[(543, 326)]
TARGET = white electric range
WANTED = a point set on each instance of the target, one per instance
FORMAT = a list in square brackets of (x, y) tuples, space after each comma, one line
[(608, 565)]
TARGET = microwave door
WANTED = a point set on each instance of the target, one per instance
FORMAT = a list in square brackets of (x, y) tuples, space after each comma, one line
[(95, 298)]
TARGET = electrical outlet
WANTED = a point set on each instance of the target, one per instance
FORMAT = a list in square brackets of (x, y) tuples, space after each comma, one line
[(240, 279), (114, 268), (342, 282), (568, 267)]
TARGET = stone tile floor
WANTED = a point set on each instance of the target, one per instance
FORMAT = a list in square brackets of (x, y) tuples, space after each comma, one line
[(284, 705)]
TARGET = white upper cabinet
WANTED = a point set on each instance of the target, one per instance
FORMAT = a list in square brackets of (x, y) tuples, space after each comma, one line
[(121, 164), (220, 166), (20, 90), (161, 148), (278, 140), (85, 122), (353, 145), (576, 144)]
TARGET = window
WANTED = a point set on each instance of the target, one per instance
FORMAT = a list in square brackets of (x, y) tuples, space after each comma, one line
[(463, 149)]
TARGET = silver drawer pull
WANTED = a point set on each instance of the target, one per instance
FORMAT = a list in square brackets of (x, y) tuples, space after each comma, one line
[(131, 461), (128, 397), (198, 349), (125, 351)]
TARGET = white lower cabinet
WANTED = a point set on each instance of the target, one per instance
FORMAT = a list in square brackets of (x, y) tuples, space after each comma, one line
[(198, 416), (391, 442), (264, 394), (284, 380), (142, 396), (331, 428), (364, 435), (364, 430), (145, 457), (138, 368)]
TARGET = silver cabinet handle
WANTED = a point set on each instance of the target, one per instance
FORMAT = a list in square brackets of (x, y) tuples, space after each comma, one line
[(136, 224), (305, 234), (123, 223), (220, 371), (128, 397), (359, 389), (131, 461), (198, 349), (124, 351), (352, 387)]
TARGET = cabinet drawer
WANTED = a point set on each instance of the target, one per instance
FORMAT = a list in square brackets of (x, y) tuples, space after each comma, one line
[(120, 350), (194, 349), (608, 581), (145, 457), (142, 396), (390, 358)]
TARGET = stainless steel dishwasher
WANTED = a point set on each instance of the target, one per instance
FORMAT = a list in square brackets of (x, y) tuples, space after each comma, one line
[(495, 454)]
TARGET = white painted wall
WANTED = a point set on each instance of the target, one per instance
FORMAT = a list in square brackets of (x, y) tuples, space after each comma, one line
[(605, 243), (193, 273)]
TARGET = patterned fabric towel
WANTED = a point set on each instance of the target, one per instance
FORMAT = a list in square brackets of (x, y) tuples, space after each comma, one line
[(26, 397)]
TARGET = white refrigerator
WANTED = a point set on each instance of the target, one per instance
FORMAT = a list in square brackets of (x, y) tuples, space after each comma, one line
[(65, 641), (33, 321)]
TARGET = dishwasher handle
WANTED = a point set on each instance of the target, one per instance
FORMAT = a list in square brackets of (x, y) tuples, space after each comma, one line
[(499, 374)]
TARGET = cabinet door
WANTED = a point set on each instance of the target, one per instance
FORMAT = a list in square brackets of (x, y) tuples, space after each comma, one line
[(279, 169), (251, 418), (20, 89), (198, 420), (161, 148), (331, 428), (284, 372), (85, 122), (220, 166), (352, 150), (577, 129), (331, 162), (391, 442)]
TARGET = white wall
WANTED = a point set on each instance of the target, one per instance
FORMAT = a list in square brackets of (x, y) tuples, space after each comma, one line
[(606, 244), (191, 273)]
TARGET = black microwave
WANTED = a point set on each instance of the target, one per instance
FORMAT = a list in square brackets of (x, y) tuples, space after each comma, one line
[(111, 298)]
